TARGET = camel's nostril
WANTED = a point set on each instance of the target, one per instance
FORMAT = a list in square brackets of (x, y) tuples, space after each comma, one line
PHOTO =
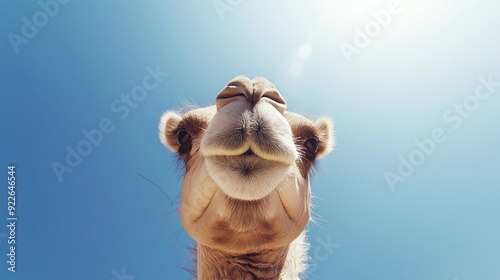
[(238, 88), (241, 88), (263, 89)]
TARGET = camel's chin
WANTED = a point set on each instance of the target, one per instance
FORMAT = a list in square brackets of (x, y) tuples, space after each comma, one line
[(246, 177)]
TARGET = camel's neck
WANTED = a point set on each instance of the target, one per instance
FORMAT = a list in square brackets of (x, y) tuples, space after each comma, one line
[(284, 263), (215, 264)]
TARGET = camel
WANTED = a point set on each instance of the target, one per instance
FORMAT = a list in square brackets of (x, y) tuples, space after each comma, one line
[(245, 195)]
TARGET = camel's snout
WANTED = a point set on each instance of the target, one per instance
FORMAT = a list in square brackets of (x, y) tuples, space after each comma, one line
[(253, 91), (250, 116)]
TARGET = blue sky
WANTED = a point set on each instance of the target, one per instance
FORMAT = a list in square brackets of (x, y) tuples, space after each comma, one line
[(412, 87)]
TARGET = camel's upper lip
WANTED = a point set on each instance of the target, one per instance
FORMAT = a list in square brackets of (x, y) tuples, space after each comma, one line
[(252, 150)]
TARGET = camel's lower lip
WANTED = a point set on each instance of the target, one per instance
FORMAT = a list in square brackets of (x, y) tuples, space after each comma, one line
[(246, 177)]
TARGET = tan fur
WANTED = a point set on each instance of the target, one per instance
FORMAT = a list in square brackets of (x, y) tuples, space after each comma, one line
[(245, 196)]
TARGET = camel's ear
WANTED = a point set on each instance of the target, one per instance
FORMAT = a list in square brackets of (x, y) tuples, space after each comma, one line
[(168, 125), (326, 137)]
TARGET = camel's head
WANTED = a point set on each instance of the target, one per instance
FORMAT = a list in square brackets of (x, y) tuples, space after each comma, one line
[(247, 162)]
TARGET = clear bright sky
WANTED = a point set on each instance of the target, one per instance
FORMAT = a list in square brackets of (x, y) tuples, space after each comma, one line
[(411, 191)]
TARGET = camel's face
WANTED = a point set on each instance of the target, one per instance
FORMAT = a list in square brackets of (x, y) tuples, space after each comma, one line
[(247, 162)]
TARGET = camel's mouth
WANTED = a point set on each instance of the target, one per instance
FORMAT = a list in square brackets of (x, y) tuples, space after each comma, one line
[(246, 176), (248, 148), (247, 164), (249, 152)]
